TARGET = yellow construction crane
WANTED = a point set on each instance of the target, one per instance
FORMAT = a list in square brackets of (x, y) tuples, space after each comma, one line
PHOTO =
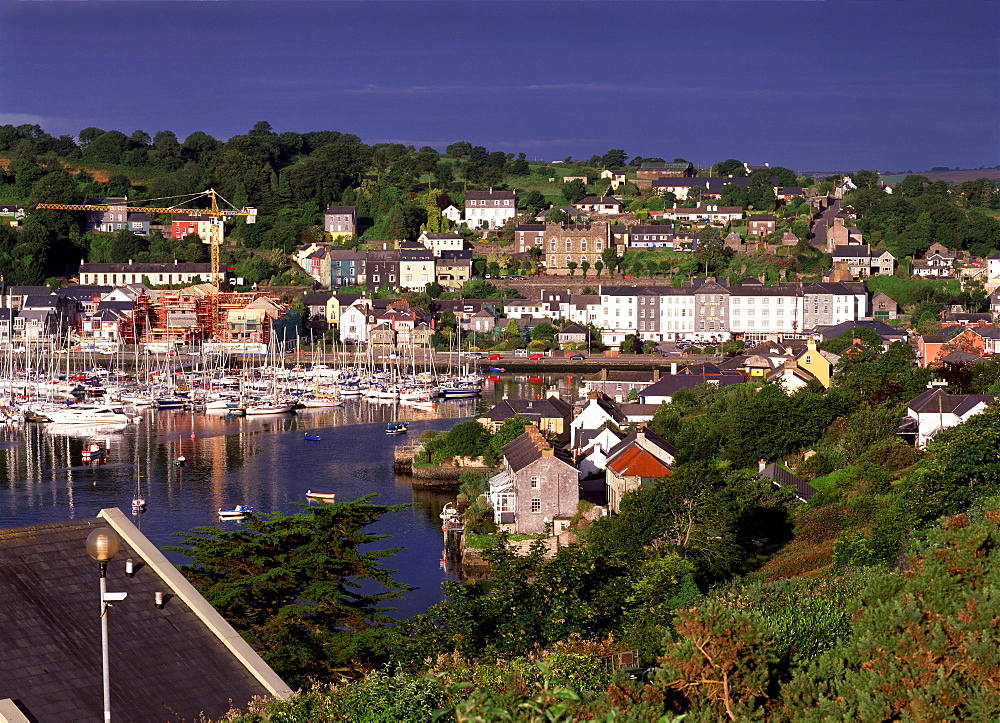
[(217, 217)]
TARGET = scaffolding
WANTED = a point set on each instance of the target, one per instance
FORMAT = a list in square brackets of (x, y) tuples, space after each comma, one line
[(197, 314)]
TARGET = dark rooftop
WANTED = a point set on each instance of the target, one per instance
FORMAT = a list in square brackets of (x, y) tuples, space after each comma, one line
[(166, 663)]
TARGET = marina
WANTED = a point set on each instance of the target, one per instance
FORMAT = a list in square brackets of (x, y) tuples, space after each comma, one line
[(185, 467)]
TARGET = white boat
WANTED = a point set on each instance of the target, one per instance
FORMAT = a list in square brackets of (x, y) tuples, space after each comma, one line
[(268, 408), (90, 414), (322, 496), (237, 513), (321, 401)]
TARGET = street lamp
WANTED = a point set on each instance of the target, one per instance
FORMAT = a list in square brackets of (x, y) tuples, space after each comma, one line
[(102, 545)]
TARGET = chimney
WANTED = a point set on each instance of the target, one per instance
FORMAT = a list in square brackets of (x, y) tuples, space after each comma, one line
[(656, 375), (591, 395), (552, 393), (856, 341), (673, 367), (130, 262), (761, 465)]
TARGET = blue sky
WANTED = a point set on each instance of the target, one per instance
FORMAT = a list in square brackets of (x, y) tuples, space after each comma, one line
[(809, 85)]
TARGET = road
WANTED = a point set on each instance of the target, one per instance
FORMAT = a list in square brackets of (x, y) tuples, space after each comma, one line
[(817, 236)]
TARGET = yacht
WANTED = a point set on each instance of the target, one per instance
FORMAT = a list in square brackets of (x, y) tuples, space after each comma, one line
[(90, 414)]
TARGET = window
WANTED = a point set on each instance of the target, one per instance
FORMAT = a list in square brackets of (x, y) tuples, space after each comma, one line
[(583, 245), (536, 481), (569, 245), (552, 245), (536, 504)]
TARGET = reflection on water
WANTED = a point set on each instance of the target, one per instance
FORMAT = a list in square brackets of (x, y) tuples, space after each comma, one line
[(262, 461)]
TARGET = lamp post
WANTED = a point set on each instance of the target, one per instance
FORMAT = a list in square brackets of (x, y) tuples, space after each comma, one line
[(102, 545)]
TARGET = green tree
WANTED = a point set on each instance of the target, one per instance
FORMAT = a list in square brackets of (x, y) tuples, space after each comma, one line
[(729, 167), (615, 158), (573, 191), (572, 267), (610, 258), (298, 587)]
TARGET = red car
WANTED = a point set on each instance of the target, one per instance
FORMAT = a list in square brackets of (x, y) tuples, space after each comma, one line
[(537, 356), (495, 356)]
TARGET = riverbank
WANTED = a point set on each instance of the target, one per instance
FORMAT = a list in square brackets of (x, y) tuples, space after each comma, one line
[(424, 475)]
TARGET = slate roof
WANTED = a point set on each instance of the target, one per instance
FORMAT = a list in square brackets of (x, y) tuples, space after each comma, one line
[(527, 448), (318, 298), (649, 439), (178, 268), (532, 409), (854, 251), (445, 236), (620, 375), (573, 329), (938, 401), (166, 663), (488, 195), (783, 478), (673, 383), (961, 357), (879, 327), (340, 209)]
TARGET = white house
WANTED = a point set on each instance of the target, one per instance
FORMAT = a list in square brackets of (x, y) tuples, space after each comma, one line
[(354, 323), (934, 410), (600, 409), (438, 242), (489, 209)]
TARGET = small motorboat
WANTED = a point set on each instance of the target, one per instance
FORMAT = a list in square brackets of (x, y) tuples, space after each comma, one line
[(94, 452), (237, 513), (180, 461), (312, 437), (322, 496), (138, 505), (396, 428), (449, 512)]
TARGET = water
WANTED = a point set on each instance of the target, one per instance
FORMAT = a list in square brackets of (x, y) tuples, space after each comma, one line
[(262, 461)]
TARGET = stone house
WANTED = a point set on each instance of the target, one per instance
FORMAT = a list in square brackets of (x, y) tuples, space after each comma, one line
[(839, 234), (573, 243), (884, 306), (538, 490), (453, 268)]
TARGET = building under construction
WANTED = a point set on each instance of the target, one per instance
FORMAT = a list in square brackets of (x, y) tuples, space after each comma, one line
[(197, 314)]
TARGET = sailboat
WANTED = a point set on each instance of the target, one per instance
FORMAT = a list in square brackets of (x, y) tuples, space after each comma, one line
[(138, 502)]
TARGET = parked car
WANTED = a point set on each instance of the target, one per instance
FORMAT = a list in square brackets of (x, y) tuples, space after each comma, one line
[(495, 356), (474, 355), (536, 356), (577, 357)]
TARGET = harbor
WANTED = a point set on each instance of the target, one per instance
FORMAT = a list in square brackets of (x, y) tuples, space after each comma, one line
[(264, 462)]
